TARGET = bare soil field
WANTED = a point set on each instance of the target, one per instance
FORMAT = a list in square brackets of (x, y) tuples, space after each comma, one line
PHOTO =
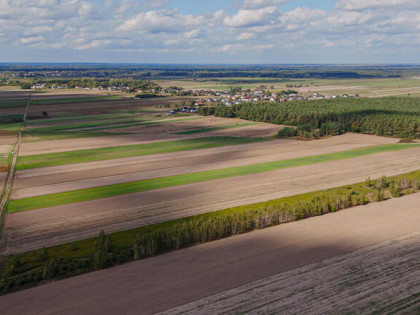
[(37, 182), (43, 227), (151, 133), (177, 126), (174, 279), (380, 278), (99, 106), (64, 145)]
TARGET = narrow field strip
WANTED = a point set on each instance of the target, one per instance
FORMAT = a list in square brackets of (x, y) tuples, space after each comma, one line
[(189, 132), (176, 180), (142, 123), (74, 100), (85, 125), (47, 121), (108, 153)]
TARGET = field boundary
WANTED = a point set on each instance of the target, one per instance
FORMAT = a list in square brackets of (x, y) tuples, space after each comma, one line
[(10, 177), (74, 196), (65, 260)]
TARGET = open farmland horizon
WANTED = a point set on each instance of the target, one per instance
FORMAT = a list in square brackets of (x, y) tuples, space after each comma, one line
[(132, 169), (209, 157)]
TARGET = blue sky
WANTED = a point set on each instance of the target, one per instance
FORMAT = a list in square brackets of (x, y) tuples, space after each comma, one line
[(210, 31)]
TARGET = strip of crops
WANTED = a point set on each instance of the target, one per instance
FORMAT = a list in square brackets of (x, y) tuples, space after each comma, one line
[(390, 116), (117, 152), (66, 260), (194, 131), (176, 180)]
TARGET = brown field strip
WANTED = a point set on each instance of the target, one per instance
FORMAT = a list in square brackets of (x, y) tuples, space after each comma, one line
[(37, 182), (180, 277), (60, 224), (383, 278), (153, 133)]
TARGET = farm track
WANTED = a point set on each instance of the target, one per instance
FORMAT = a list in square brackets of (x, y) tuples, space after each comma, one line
[(8, 185), (161, 165), (184, 276), (60, 224)]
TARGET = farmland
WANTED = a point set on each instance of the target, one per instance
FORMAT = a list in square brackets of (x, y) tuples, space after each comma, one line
[(122, 166)]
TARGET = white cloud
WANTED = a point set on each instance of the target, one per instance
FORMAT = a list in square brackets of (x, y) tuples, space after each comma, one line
[(160, 22), (245, 36), (354, 5), (262, 3), (31, 40), (251, 17), (254, 28)]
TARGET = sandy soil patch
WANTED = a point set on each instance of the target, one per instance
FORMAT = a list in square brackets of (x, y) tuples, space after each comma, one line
[(36, 182), (59, 224), (166, 281)]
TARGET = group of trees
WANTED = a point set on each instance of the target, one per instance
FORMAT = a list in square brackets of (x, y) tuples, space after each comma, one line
[(152, 240), (132, 84), (391, 116)]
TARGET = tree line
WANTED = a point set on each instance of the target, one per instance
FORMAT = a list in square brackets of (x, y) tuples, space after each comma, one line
[(390, 116), (20, 271)]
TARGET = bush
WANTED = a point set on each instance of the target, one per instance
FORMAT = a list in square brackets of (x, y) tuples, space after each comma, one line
[(287, 132)]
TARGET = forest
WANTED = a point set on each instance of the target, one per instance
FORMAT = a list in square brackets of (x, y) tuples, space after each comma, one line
[(390, 116)]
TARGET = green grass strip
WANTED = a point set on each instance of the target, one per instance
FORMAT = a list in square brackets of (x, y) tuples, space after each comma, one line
[(143, 123), (47, 121), (189, 132), (74, 100), (176, 180), (116, 152), (84, 125)]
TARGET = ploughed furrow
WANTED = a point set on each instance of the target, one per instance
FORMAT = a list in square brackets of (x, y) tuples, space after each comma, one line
[(381, 278)]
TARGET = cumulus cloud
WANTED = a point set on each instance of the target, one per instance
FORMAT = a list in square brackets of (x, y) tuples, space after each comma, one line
[(256, 27), (251, 17), (245, 36), (262, 3), (160, 22), (354, 5)]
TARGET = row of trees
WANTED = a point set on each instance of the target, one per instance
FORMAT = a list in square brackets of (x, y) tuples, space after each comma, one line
[(391, 116), (188, 231)]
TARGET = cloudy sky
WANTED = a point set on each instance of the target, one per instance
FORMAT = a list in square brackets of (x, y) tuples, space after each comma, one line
[(210, 31)]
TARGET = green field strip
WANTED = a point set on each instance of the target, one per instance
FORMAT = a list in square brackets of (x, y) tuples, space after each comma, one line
[(74, 100), (145, 123), (84, 125), (176, 180), (44, 136), (11, 126), (194, 131), (116, 152), (79, 117), (13, 103)]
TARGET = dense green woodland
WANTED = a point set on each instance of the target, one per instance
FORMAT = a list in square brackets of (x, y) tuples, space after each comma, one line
[(391, 116)]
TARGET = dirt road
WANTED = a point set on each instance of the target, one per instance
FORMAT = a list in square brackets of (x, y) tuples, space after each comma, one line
[(181, 277), (59, 224)]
